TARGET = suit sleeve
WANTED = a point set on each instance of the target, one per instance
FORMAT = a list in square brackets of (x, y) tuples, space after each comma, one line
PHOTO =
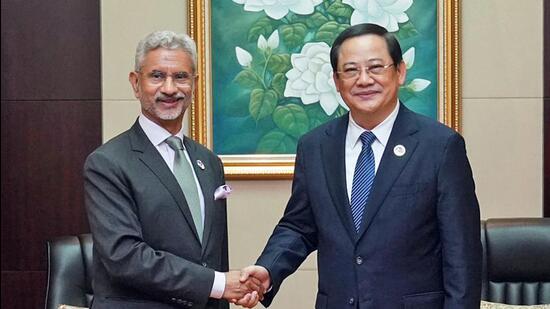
[(294, 237), (119, 243), (459, 225)]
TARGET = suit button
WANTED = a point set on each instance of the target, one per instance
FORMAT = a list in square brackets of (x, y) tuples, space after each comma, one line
[(359, 260), (190, 304), (351, 301), (204, 264), (173, 299)]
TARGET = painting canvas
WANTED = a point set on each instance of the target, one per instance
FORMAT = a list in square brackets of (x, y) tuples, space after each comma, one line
[(270, 78)]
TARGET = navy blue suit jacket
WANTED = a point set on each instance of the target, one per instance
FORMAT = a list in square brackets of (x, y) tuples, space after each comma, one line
[(419, 244)]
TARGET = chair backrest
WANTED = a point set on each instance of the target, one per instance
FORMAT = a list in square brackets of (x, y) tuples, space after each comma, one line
[(69, 271), (516, 261)]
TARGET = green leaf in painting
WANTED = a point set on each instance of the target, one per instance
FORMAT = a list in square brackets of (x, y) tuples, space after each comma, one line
[(406, 30), (405, 94), (338, 9), (329, 31), (316, 20), (279, 83), (237, 106), (248, 79), (340, 111), (293, 35), (289, 100), (276, 141), (279, 63), (262, 103), (316, 114), (263, 26), (292, 119)]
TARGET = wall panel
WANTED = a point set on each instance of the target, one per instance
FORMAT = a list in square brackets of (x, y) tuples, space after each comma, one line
[(23, 289), (50, 50), (51, 120)]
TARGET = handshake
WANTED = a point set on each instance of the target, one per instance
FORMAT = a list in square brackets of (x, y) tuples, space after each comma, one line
[(246, 287)]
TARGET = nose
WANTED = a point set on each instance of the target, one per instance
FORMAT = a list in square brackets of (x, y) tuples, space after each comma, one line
[(364, 78), (169, 86)]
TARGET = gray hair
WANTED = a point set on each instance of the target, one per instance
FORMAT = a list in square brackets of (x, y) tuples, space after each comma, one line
[(168, 40)]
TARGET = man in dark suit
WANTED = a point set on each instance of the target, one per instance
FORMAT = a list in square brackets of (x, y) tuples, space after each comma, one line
[(384, 195), (156, 199)]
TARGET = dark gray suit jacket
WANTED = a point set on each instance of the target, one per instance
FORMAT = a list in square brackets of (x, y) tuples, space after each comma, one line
[(419, 244), (146, 250)]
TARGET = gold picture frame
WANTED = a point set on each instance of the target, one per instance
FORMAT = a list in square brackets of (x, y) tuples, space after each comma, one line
[(254, 166)]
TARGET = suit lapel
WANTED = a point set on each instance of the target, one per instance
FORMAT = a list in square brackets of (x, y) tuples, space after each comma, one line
[(334, 161), (154, 161), (391, 165), (207, 187)]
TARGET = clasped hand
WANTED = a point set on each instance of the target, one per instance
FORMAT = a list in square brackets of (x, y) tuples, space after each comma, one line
[(246, 287)]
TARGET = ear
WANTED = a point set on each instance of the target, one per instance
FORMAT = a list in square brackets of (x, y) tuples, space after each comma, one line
[(336, 81), (133, 78), (402, 72)]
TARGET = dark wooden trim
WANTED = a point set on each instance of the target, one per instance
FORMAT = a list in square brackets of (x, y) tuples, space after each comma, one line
[(50, 122), (24, 289), (42, 184), (50, 50)]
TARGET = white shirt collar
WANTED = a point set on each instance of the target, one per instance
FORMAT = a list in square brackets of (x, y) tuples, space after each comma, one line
[(156, 134), (381, 131)]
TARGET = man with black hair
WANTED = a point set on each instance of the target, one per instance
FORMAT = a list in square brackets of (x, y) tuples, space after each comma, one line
[(385, 196)]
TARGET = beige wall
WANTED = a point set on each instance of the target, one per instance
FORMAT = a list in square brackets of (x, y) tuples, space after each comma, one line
[(123, 24), (502, 44), (502, 118)]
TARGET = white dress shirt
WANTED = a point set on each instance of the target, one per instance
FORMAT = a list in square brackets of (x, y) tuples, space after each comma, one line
[(354, 144), (158, 135)]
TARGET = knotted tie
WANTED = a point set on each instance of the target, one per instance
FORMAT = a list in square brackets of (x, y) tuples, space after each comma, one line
[(363, 177), (184, 175)]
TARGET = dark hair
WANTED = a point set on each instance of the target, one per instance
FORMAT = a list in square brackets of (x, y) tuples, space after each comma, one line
[(362, 29)]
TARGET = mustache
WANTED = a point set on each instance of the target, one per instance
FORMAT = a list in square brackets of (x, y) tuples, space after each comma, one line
[(162, 97)]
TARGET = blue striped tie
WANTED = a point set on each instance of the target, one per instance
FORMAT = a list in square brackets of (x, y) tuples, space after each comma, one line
[(362, 179)]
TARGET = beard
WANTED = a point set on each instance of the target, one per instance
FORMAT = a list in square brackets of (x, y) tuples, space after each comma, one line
[(164, 114), (171, 113)]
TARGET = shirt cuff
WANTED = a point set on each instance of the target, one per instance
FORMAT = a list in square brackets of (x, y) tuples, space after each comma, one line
[(219, 285)]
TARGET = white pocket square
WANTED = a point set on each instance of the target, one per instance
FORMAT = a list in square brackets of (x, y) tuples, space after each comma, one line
[(222, 192)]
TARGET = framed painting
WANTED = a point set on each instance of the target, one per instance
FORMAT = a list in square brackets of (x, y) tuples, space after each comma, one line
[(265, 77)]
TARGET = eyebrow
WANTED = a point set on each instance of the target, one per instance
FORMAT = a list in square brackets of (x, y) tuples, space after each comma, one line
[(356, 63), (163, 72)]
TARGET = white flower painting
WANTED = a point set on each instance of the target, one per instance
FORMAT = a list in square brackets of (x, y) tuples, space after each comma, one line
[(272, 78), (386, 13), (310, 78), (278, 9)]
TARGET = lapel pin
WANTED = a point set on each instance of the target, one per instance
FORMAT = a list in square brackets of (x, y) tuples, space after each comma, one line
[(200, 164), (399, 150)]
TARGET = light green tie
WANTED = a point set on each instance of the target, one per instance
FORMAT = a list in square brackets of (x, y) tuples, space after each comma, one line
[(184, 174)]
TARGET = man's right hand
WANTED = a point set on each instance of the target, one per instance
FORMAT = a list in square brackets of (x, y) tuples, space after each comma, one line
[(258, 273), (236, 288)]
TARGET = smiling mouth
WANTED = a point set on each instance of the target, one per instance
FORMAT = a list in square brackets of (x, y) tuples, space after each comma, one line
[(366, 94), (169, 101)]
